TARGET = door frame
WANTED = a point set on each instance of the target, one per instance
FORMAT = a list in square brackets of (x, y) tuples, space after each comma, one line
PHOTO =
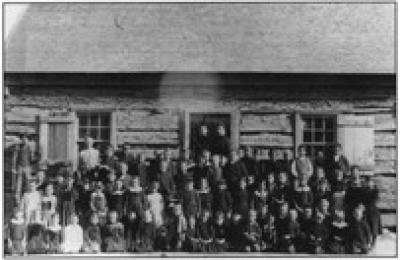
[(234, 129)]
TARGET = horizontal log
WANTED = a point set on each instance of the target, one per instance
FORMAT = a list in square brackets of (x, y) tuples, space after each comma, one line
[(385, 166), (355, 120), (385, 153), (146, 120), (20, 128), (150, 153), (385, 139), (148, 137), (389, 220), (267, 122), (267, 140), (18, 117), (386, 121), (387, 192)]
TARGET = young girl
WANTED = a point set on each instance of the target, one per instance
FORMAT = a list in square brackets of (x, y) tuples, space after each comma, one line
[(73, 236), (117, 198), (156, 204), (31, 202), (98, 202), (220, 243), (114, 234), (18, 234), (49, 204)]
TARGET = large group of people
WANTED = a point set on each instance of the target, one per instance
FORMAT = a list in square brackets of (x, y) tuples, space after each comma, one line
[(220, 201)]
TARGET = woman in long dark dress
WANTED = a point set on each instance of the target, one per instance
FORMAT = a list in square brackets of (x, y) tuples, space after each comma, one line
[(372, 214)]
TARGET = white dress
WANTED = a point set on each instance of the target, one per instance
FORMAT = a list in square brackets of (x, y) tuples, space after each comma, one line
[(156, 203), (73, 239)]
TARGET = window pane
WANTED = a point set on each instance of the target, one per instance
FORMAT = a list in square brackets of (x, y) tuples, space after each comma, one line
[(82, 132), (307, 123), (308, 150), (307, 136), (105, 134), (319, 137), (329, 123), (93, 133), (105, 120), (83, 120), (94, 120), (329, 137), (318, 123)]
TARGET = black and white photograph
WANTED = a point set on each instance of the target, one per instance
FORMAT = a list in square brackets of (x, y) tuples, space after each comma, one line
[(199, 129)]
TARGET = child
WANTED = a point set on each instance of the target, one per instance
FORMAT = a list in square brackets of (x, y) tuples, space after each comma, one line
[(306, 220), (18, 234), (372, 212), (222, 199), (156, 204), (109, 183), (205, 196), (303, 196), (282, 228), (117, 198), (241, 199), (283, 192), (317, 235), (235, 233), (220, 243), (49, 204), (68, 197), (31, 202), (317, 178), (147, 233), (161, 242), (53, 233), (135, 198), (355, 193), (179, 225), (124, 177), (252, 233), (190, 199), (294, 233), (268, 233), (142, 171), (98, 202), (36, 243), (338, 238), (92, 235), (261, 196), (324, 208), (114, 234), (191, 243), (361, 238), (338, 190), (73, 236), (167, 185), (323, 192), (205, 232)]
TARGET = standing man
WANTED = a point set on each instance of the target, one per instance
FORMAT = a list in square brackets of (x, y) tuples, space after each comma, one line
[(340, 162), (202, 142), (89, 159), (234, 171), (221, 144), (21, 166), (302, 167)]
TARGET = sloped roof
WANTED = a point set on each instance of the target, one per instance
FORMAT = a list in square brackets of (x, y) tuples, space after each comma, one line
[(203, 37)]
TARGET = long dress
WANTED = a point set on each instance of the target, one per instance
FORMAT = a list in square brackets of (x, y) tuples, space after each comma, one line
[(156, 203), (73, 239)]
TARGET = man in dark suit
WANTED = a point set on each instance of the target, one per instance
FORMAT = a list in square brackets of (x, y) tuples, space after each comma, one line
[(233, 171)]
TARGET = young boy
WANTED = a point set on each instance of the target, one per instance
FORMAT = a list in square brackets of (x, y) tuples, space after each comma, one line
[(98, 202), (205, 196), (73, 236), (92, 235), (252, 233), (190, 199), (114, 234), (222, 199), (241, 199), (135, 198), (220, 243), (317, 235), (49, 204), (205, 231), (31, 202), (361, 237), (18, 234)]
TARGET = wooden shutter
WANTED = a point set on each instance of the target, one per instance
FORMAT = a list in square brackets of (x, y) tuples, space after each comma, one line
[(356, 135), (57, 144)]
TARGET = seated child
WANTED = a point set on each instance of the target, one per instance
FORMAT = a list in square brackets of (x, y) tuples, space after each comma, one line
[(220, 243), (261, 197), (252, 233), (132, 235), (361, 237), (324, 207), (192, 242), (36, 243), (92, 235), (109, 184), (306, 220), (18, 234), (323, 192), (31, 202), (98, 202), (235, 233), (294, 234), (222, 199), (162, 241), (117, 198), (156, 204), (147, 233), (73, 236), (49, 204), (114, 234), (135, 197), (339, 236), (53, 235), (317, 178), (205, 232), (268, 238), (124, 176)]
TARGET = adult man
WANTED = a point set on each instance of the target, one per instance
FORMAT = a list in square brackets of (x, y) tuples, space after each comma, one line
[(234, 171), (88, 159), (221, 144), (302, 167), (340, 161), (202, 142), (250, 163)]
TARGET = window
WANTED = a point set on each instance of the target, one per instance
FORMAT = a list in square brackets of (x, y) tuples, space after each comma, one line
[(96, 125), (319, 134)]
